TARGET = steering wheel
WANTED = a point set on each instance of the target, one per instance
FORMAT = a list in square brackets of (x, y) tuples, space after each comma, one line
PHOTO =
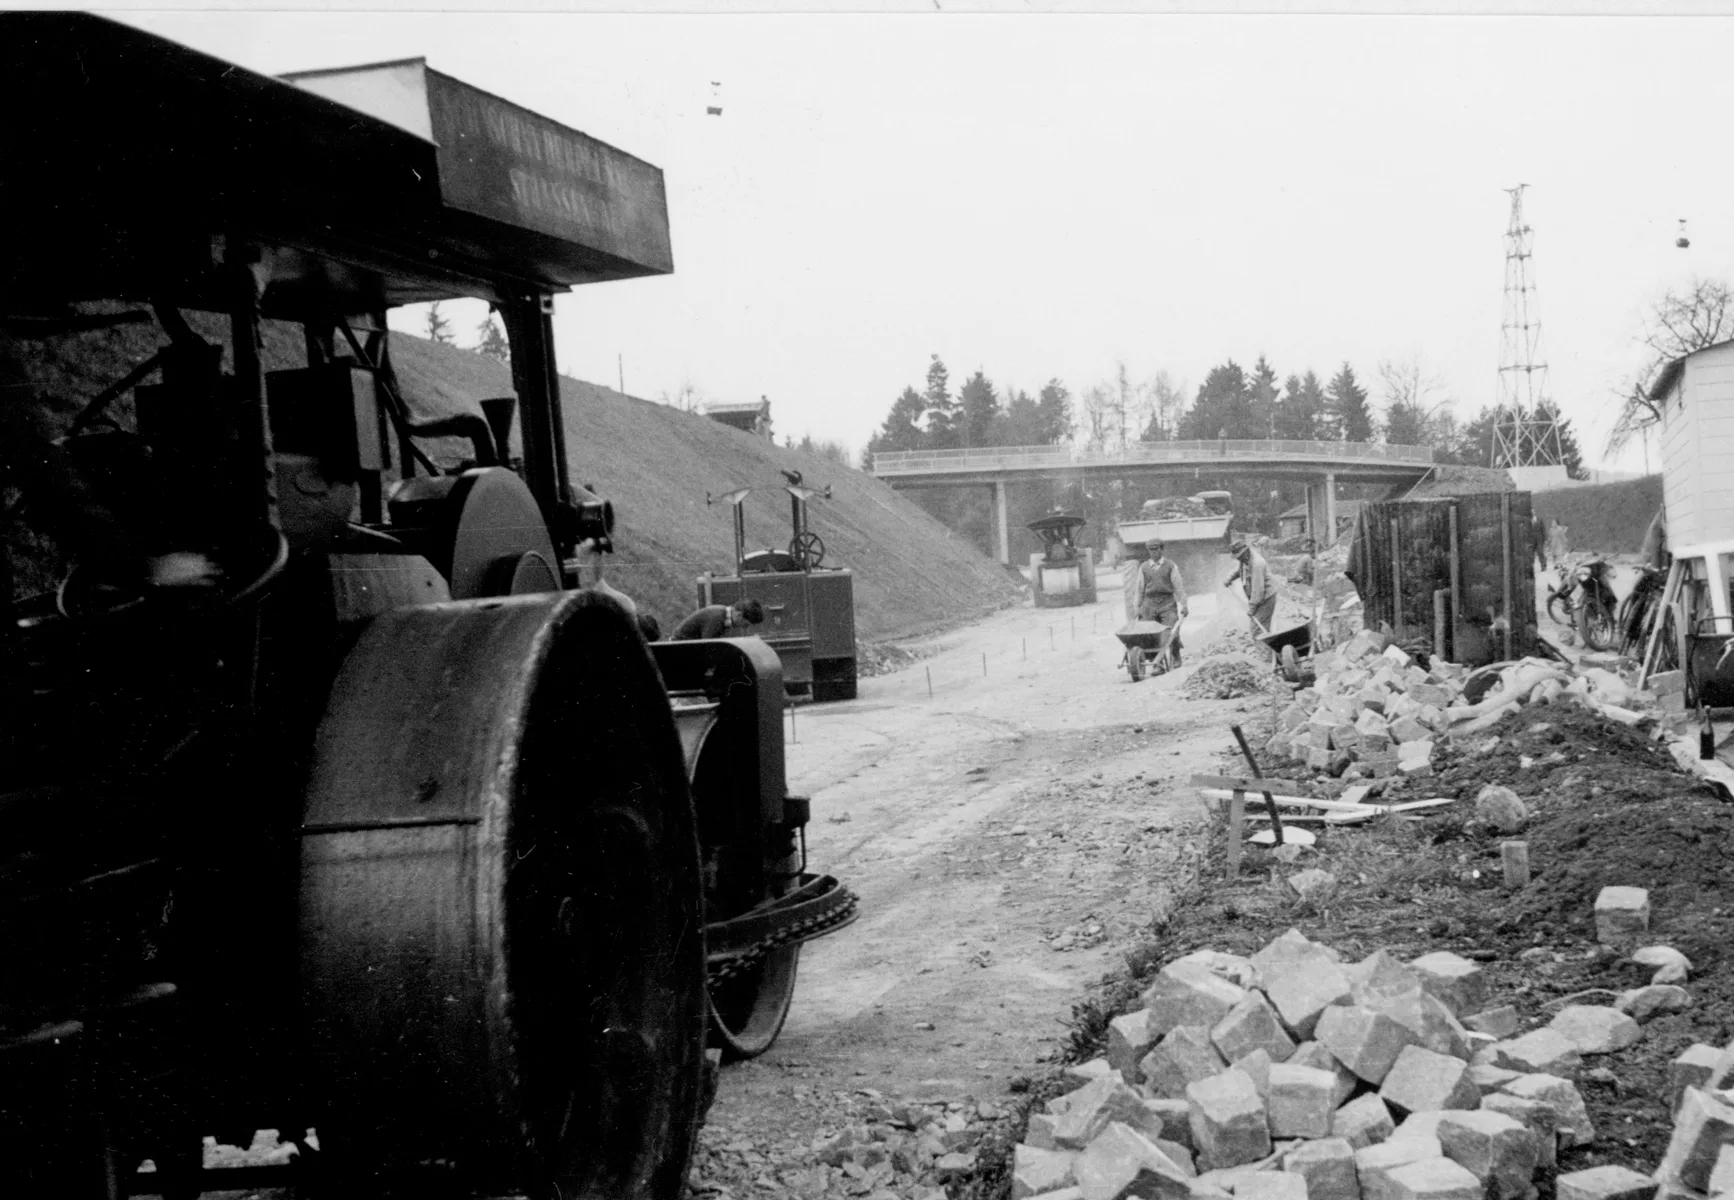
[(808, 549)]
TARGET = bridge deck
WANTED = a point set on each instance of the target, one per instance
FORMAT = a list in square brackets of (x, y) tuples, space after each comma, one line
[(1349, 460)]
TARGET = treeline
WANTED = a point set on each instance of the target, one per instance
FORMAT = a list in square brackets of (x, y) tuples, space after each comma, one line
[(1231, 403)]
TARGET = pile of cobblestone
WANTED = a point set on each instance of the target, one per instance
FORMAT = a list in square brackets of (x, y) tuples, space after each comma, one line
[(1293, 1075)]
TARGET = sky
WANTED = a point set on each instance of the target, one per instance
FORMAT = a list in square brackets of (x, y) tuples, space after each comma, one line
[(1048, 195)]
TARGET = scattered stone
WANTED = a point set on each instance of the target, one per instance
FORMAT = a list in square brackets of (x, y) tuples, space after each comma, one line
[(1093, 1108), (1422, 1081), (1040, 1131), (1535, 1117), (1232, 967), (1272, 1185), (1457, 983), (1501, 1022), (1604, 1183), (1122, 1162), (1433, 1179), (1180, 1155), (1312, 1054), (1228, 1120), (1423, 1125), (1188, 993), (1722, 1174), (1501, 808), (1561, 1095), (1302, 990), (1490, 1078), (1312, 883), (1171, 1118), (1430, 1022), (1702, 1126), (1671, 966), (1299, 1103), (1251, 1025), (1691, 1069), (1129, 1040), (1086, 1072), (1365, 1042), (1362, 1122), (1036, 1171), (1183, 1057), (1328, 1166), (1497, 1149), (1257, 1067), (1291, 948), (1542, 1051), (1594, 1029), (1373, 1163), (1622, 915), (1653, 1000), (956, 1165), (1379, 979)]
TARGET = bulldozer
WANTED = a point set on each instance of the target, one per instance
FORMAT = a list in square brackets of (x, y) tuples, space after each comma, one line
[(329, 802)]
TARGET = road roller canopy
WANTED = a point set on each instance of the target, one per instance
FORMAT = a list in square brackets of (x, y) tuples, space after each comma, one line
[(1057, 526), (127, 161)]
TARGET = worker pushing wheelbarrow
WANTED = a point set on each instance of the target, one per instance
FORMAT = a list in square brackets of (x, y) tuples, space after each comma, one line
[(1149, 648)]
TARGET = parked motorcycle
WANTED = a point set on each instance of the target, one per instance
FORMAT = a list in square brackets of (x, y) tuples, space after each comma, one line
[(1584, 600)]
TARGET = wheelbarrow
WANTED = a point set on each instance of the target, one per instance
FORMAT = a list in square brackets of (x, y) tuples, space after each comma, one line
[(1293, 649), (1147, 648)]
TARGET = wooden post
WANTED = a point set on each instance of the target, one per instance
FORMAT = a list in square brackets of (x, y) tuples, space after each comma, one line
[(1396, 585), (1439, 598), (1456, 592), (1505, 562), (1236, 830), (1515, 857), (1670, 596)]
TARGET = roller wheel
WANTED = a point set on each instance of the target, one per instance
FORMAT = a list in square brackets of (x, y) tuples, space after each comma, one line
[(747, 1010), (1135, 663), (808, 549), (1290, 664), (502, 958)]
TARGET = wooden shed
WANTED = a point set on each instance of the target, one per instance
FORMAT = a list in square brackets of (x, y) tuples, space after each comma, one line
[(1695, 396), (1455, 574)]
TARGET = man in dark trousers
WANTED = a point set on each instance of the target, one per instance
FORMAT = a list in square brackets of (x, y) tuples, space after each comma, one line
[(719, 620), (1162, 593), (1260, 589)]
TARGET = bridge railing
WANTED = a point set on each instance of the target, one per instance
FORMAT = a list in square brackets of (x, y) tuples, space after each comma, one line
[(998, 458)]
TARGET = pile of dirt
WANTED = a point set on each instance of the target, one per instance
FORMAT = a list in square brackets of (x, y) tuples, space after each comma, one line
[(1450, 479), (1227, 678), (1607, 806), (882, 658), (658, 465)]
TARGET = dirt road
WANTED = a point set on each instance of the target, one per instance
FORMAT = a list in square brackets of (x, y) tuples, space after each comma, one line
[(1007, 834)]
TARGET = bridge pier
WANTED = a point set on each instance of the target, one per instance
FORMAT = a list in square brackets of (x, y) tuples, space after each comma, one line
[(1322, 511), (1001, 523)]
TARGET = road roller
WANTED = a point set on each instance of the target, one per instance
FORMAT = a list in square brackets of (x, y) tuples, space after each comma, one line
[(329, 802)]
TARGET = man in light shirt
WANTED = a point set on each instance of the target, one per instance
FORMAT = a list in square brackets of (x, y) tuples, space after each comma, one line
[(1260, 590)]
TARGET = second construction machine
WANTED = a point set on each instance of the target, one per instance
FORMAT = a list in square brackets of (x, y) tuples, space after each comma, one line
[(326, 801)]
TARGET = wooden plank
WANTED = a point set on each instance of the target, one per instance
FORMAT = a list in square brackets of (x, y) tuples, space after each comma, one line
[(1236, 829), (1396, 583), (1338, 806), (1456, 591), (1439, 596), (1670, 594), (1245, 784), (1505, 568)]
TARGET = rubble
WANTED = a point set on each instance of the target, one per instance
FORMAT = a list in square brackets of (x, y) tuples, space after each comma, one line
[(1622, 915), (1271, 1119)]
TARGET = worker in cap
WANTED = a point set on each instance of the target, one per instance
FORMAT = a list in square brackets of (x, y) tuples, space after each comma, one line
[(719, 620), (1254, 575), (1162, 593)]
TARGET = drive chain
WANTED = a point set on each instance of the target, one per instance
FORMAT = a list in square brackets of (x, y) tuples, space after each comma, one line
[(719, 970)]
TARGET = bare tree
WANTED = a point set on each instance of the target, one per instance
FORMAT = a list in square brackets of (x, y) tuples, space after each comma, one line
[(1167, 400), (1679, 323), (439, 326), (1097, 403), (1417, 407), (688, 398)]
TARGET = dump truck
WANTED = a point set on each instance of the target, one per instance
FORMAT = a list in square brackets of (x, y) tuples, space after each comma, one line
[(328, 803)]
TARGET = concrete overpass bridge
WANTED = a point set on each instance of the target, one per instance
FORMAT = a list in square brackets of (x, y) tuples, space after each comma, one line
[(1320, 465)]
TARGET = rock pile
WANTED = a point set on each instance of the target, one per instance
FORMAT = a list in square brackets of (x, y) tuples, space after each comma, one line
[(1373, 711), (1293, 1075), (1227, 679)]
